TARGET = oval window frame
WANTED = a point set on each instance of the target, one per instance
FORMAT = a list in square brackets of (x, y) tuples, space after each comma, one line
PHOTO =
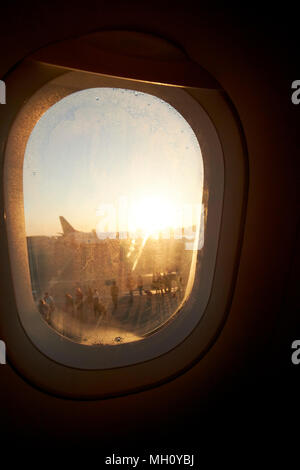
[(57, 347), (76, 382)]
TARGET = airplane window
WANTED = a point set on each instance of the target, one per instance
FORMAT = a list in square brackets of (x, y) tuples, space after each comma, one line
[(123, 238), (114, 214)]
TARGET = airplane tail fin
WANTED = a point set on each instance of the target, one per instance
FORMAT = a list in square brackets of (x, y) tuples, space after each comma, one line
[(67, 228)]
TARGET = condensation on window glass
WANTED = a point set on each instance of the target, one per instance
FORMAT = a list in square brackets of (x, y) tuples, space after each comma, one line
[(113, 183)]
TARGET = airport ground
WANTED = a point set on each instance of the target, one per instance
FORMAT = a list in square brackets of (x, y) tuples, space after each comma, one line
[(133, 318)]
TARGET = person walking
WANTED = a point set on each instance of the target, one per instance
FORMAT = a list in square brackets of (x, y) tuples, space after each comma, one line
[(44, 309), (97, 305), (69, 303), (50, 302), (114, 291), (140, 284)]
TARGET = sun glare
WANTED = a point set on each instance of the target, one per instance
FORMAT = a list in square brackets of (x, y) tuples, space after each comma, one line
[(97, 146), (152, 215)]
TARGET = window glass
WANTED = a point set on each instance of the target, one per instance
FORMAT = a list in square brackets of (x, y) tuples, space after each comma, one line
[(113, 183)]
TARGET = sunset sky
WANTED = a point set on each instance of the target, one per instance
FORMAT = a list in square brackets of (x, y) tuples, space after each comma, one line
[(100, 146)]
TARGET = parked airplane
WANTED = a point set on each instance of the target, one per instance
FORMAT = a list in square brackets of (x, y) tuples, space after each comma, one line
[(75, 235), (88, 237)]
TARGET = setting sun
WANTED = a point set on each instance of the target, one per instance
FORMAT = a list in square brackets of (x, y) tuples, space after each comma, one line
[(152, 215)]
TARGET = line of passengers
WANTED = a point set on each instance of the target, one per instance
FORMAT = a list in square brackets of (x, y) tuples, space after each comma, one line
[(77, 304), (73, 305)]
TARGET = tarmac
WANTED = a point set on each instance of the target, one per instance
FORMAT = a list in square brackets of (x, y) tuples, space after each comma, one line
[(133, 319)]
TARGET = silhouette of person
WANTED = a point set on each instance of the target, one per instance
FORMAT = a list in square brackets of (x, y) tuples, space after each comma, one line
[(168, 282), (51, 305), (155, 282), (114, 291), (69, 303), (49, 300), (140, 284), (44, 309), (160, 282), (97, 305)]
